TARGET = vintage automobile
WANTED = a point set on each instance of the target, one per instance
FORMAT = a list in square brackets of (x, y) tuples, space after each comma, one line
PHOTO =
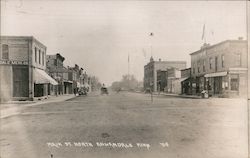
[(104, 90), (83, 91)]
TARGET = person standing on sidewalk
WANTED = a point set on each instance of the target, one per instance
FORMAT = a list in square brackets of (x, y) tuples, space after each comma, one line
[(75, 91)]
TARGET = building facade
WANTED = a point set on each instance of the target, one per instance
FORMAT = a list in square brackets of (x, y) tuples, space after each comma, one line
[(186, 83), (150, 71), (56, 69), (221, 69), (22, 68), (173, 80), (74, 76), (161, 80)]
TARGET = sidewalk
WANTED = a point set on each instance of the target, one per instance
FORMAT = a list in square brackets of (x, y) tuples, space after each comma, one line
[(174, 95), (182, 95), (13, 107)]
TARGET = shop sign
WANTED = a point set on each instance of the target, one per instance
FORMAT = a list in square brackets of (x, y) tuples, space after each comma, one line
[(13, 62)]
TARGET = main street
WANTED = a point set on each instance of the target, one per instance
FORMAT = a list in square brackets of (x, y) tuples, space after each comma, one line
[(127, 125)]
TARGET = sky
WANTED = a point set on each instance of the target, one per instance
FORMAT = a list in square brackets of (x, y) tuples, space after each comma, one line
[(100, 35)]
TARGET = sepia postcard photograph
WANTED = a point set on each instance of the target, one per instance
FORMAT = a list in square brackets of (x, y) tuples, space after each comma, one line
[(124, 79)]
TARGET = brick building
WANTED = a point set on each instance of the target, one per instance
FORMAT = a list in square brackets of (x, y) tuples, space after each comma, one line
[(186, 82), (74, 76), (150, 71), (221, 68), (174, 80), (60, 73), (22, 68), (161, 80)]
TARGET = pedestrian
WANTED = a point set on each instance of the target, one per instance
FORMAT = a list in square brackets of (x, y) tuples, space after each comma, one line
[(75, 91)]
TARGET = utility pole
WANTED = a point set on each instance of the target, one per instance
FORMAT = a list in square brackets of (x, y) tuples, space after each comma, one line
[(128, 73)]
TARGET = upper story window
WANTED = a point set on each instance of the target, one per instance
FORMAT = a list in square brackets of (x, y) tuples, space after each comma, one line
[(210, 63), (203, 67), (216, 63), (39, 57), (222, 60), (55, 62), (198, 65), (238, 59), (5, 52), (35, 54), (43, 58)]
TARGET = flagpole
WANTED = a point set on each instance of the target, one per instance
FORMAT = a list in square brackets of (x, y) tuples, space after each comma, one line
[(151, 43)]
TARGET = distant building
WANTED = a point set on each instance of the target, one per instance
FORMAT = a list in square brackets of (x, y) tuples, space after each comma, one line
[(161, 80), (74, 76), (173, 80), (186, 82), (221, 68), (22, 69), (56, 69), (150, 71)]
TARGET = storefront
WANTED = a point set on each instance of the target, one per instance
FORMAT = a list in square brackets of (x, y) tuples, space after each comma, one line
[(41, 82), (68, 87), (186, 86), (227, 84)]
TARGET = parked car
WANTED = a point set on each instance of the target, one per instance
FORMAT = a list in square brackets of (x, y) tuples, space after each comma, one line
[(83, 91), (104, 90)]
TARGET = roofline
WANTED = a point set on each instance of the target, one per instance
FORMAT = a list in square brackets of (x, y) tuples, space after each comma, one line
[(32, 38), (170, 61), (180, 62), (220, 43)]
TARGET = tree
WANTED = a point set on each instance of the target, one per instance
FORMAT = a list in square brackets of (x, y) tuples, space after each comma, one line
[(128, 82), (95, 83)]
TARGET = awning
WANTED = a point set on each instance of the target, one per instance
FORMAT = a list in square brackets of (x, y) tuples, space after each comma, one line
[(216, 74), (68, 81), (41, 77), (183, 79)]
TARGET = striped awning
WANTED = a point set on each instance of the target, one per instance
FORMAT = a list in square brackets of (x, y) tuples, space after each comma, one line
[(41, 77)]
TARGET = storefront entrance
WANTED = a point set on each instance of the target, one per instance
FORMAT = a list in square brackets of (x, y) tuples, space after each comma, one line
[(20, 81), (217, 85)]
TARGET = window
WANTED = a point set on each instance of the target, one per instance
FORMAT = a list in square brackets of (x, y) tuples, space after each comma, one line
[(203, 67), (193, 70), (222, 60), (238, 59), (39, 56), (55, 62), (198, 65), (234, 82), (35, 54), (43, 58), (210, 63), (5, 52), (216, 63)]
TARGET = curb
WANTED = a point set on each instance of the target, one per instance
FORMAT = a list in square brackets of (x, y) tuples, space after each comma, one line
[(15, 110)]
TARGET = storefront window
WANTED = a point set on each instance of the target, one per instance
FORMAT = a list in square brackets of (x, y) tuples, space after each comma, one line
[(225, 82), (5, 52), (235, 82)]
